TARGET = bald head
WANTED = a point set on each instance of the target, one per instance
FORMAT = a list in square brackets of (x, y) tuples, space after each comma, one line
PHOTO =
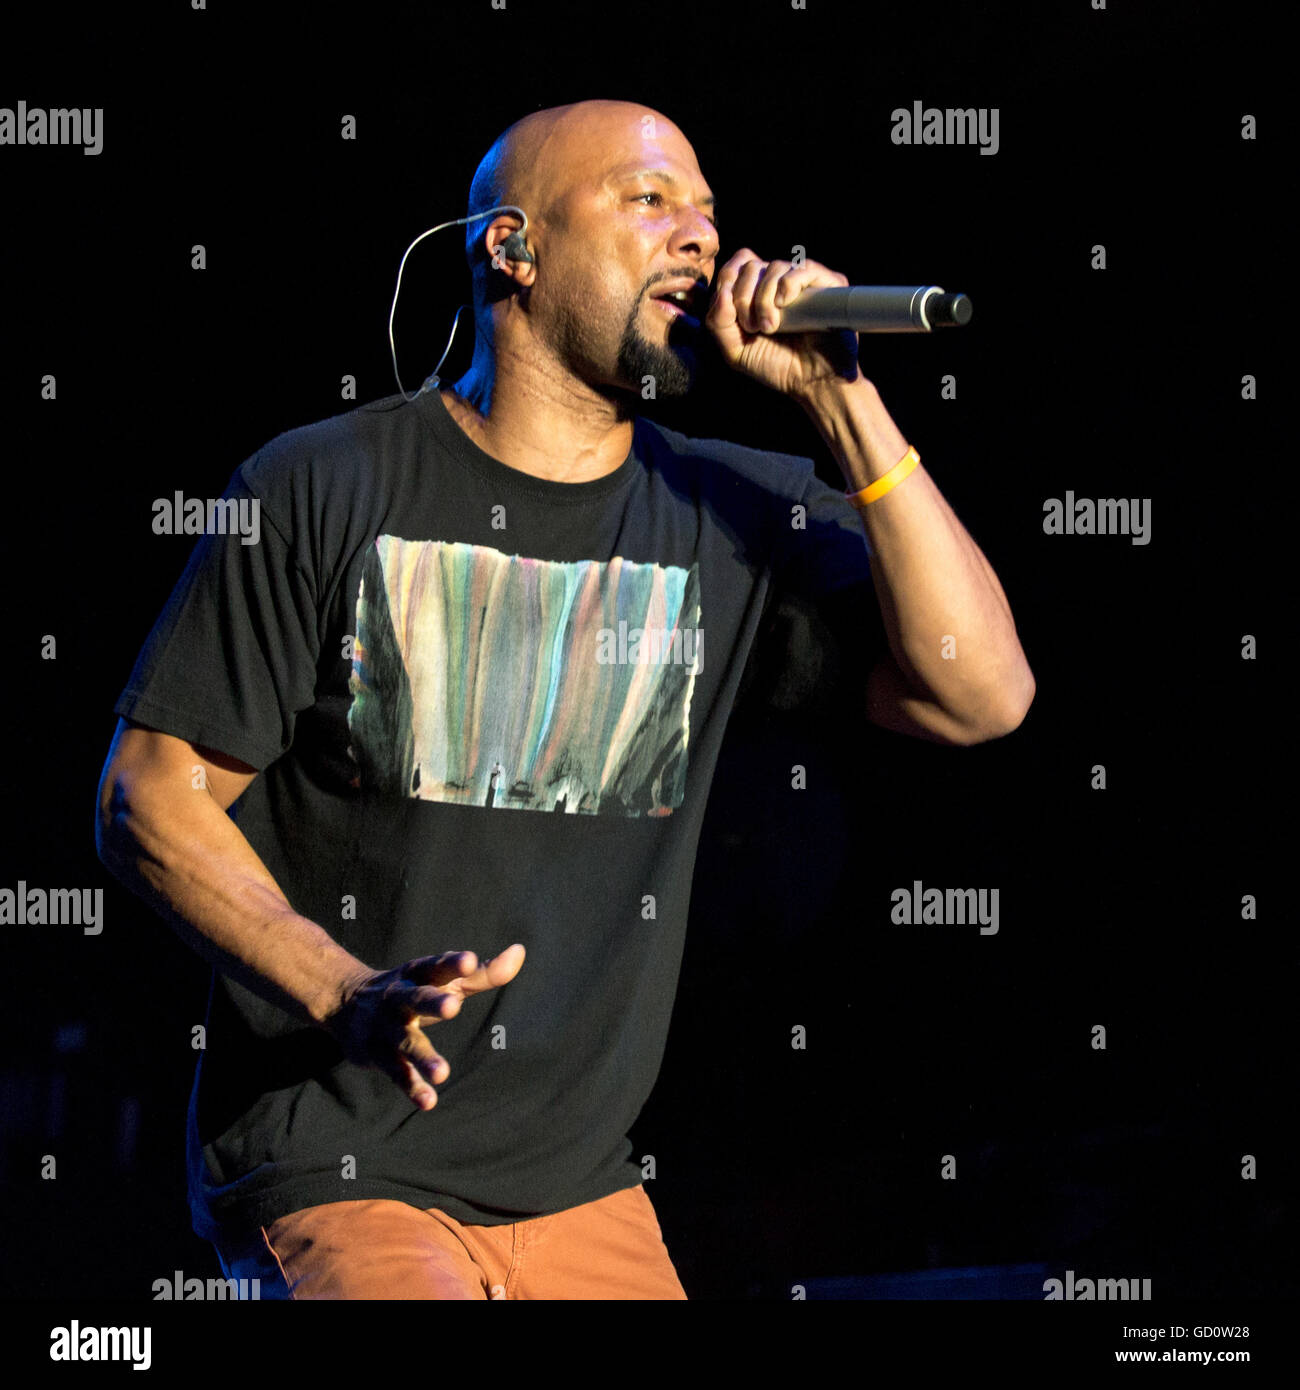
[(534, 163)]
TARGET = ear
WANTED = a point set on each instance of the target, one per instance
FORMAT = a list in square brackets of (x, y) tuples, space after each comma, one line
[(500, 256)]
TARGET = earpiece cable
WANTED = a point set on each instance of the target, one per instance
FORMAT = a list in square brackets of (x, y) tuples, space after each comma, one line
[(432, 381)]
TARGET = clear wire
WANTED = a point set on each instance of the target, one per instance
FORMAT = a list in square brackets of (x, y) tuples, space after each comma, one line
[(392, 346), (431, 381)]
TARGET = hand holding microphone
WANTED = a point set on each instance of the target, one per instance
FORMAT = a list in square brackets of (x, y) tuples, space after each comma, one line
[(795, 328)]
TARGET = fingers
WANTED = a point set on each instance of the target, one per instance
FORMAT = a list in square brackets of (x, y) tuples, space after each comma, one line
[(749, 293), (464, 978), (416, 1068), (430, 1005), (441, 969), (424, 1097), (464, 968), (423, 1067), (722, 311), (431, 990), (779, 290), (500, 970)]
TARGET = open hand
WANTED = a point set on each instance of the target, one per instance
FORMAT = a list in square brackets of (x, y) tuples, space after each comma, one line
[(382, 1018)]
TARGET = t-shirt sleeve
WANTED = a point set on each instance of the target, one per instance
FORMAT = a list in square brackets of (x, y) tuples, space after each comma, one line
[(232, 659), (822, 630)]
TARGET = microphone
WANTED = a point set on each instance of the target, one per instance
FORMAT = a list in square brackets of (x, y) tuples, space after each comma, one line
[(875, 309)]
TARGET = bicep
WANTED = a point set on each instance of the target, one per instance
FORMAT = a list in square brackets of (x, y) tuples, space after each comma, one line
[(138, 751)]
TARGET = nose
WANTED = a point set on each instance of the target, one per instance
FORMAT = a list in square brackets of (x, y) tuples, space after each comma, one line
[(695, 235)]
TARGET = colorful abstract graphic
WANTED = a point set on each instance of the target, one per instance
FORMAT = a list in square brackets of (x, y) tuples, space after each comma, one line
[(495, 680)]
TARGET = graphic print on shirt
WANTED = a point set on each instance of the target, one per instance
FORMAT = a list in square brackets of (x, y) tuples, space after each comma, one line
[(500, 681)]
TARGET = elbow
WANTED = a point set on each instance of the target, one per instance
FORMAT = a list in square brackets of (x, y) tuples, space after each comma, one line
[(110, 805), (1024, 697), (1004, 712), (105, 847)]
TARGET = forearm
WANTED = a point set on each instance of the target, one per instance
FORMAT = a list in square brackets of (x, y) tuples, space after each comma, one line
[(948, 621), (177, 849)]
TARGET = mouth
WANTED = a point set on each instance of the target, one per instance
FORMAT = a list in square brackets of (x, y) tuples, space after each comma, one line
[(684, 301)]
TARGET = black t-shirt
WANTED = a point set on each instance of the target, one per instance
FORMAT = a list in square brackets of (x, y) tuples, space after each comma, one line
[(486, 708)]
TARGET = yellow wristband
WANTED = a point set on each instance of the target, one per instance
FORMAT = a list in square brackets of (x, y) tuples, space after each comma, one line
[(890, 480)]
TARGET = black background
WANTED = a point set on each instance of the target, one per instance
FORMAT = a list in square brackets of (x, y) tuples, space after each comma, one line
[(1119, 907)]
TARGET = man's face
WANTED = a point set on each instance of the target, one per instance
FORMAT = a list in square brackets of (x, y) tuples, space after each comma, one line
[(634, 226)]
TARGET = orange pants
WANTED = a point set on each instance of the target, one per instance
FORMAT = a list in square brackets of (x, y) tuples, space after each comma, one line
[(607, 1249)]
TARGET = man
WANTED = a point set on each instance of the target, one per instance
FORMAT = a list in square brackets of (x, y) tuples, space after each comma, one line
[(517, 573)]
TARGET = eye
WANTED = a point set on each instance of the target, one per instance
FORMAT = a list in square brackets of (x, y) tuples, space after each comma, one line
[(658, 199)]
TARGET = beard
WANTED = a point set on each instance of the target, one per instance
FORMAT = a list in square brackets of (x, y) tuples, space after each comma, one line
[(672, 368)]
